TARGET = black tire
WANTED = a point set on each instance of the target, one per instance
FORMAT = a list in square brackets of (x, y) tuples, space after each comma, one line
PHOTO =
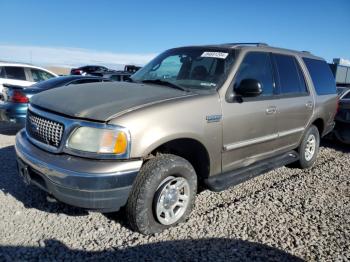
[(141, 203), (303, 162)]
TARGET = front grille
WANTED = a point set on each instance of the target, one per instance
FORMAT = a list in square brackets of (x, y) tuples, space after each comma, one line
[(44, 130)]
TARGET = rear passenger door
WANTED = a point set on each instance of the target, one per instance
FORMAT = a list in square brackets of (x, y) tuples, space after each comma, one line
[(295, 104)]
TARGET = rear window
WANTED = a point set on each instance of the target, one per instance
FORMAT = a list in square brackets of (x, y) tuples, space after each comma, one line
[(321, 76), (14, 72), (291, 80)]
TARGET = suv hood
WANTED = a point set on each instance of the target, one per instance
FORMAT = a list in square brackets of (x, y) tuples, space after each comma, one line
[(102, 101)]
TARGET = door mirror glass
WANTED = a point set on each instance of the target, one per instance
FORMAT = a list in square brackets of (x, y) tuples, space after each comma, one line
[(249, 88)]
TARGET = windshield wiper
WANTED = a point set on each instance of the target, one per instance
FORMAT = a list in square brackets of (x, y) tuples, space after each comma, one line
[(163, 83)]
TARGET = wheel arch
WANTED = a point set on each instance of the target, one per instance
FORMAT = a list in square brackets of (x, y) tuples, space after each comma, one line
[(319, 123), (190, 149)]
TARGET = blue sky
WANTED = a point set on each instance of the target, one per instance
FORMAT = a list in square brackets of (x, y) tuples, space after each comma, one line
[(134, 31)]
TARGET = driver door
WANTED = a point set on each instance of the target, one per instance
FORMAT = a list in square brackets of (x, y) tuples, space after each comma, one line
[(249, 125)]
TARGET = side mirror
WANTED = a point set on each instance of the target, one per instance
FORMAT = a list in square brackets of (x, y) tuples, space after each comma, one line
[(249, 88)]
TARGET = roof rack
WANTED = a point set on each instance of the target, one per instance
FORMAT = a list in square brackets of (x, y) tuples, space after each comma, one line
[(307, 52), (254, 44)]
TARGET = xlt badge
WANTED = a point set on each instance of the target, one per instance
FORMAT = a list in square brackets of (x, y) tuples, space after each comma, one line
[(213, 118)]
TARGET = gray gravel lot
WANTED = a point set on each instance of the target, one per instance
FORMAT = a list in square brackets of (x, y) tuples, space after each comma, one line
[(287, 214)]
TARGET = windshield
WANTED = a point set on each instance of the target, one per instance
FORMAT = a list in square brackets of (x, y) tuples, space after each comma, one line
[(190, 68)]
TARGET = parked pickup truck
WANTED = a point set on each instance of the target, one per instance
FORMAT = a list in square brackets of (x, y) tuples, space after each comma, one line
[(213, 115)]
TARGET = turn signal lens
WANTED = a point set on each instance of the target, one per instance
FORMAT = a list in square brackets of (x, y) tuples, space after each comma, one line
[(121, 143)]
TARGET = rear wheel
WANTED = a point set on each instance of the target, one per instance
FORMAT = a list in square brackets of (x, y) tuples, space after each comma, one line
[(309, 147), (163, 194)]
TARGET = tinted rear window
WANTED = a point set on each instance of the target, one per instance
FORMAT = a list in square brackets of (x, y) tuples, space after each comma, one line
[(321, 76), (291, 80), (14, 72)]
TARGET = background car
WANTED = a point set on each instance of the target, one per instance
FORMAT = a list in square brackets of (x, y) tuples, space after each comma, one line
[(89, 70), (16, 98), (342, 126), (122, 75), (118, 76), (96, 70), (132, 68), (22, 74)]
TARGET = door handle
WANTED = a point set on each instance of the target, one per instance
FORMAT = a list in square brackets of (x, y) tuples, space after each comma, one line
[(309, 104), (271, 110)]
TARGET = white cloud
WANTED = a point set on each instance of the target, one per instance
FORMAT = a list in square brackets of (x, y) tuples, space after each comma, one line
[(69, 57)]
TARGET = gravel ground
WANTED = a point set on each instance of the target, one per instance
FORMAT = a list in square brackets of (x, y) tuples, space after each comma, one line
[(287, 214)]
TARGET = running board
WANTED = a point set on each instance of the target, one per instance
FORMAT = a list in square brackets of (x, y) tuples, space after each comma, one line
[(235, 177)]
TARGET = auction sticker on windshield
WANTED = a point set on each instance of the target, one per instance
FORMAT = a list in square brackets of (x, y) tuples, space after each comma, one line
[(220, 55)]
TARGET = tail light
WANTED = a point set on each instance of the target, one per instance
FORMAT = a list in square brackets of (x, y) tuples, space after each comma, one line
[(18, 97), (77, 71)]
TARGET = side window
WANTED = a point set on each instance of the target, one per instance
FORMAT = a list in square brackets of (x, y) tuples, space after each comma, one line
[(321, 76), (257, 65), (40, 75), (347, 96), (16, 73), (290, 80)]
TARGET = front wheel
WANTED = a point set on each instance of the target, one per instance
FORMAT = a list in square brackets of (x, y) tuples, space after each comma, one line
[(309, 147), (163, 194)]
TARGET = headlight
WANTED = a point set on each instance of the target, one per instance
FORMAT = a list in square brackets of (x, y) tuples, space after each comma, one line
[(99, 140)]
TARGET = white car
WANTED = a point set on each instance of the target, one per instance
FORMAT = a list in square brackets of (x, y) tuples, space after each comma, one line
[(22, 74)]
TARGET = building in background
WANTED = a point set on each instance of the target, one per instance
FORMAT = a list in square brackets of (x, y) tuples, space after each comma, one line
[(341, 71)]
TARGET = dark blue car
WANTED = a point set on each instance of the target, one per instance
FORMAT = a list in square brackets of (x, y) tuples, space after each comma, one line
[(13, 107)]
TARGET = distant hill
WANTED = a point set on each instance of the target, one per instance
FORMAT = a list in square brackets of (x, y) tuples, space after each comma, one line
[(58, 70)]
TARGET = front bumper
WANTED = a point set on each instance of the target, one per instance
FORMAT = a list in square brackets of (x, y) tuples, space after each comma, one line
[(87, 183), (13, 112)]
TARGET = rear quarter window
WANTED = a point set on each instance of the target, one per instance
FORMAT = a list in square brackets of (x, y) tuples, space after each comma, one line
[(321, 75)]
